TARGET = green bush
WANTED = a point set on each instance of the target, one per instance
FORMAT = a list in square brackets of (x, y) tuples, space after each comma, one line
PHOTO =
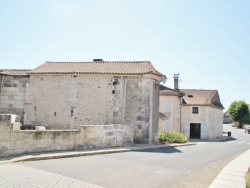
[(248, 179), (171, 137)]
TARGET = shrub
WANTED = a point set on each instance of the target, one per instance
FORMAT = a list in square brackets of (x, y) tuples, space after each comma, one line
[(171, 137), (248, 179)]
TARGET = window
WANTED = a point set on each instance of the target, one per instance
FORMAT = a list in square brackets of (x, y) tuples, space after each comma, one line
[(195, 110)]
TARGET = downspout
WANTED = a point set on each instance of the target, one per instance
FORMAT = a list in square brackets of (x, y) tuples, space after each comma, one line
[(181, 131), (124, 100), (151, 112), (24, 106), (1, 84)]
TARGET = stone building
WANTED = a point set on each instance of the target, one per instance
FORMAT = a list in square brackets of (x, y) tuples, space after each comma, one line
[(13, 91), (69, 94), (195, 113)]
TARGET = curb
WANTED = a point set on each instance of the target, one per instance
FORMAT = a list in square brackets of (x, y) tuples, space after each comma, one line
[(233, 174), (88, 153)]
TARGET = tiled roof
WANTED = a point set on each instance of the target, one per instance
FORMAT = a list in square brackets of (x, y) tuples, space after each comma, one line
[(13, 72), (166, 91), (201, 97), (96, 67)]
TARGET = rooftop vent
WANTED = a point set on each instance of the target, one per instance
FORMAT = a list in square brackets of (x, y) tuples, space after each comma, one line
[(97, 60), (191, 96)]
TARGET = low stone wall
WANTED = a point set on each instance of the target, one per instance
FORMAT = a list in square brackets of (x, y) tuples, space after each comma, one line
[(14, 142)]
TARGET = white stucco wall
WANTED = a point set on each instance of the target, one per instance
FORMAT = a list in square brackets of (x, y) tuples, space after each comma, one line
[(211, 120), (173, 122), (215, 121)]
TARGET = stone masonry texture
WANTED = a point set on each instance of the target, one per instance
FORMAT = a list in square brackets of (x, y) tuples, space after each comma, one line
[(68, 101)]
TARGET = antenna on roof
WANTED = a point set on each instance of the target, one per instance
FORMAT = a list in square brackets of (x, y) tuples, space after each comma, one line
[(176, 75)]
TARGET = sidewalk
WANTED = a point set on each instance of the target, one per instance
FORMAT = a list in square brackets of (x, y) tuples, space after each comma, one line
[(233, 175)]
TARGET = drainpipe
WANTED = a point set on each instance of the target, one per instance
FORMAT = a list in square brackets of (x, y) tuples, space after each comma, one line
[(124, 100), (1, 84), (180, 96)]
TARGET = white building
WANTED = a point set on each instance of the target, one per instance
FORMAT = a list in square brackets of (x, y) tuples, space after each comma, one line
[(195, 113)]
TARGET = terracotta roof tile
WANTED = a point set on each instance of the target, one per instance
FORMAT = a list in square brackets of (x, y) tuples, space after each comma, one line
[(201, 97), (96, 67), (166, 91)]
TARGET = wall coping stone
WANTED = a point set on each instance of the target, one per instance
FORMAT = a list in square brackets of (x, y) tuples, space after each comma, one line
[(59, 130)]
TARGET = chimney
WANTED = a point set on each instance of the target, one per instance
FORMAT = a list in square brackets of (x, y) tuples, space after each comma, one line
[(97, 60), (176, 81)]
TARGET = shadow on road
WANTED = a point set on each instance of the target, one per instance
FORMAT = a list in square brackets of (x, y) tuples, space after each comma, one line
[(225, 139), (228, 140), (166, 150)]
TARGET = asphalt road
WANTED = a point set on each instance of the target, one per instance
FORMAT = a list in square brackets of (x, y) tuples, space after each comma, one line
[(195, 165)]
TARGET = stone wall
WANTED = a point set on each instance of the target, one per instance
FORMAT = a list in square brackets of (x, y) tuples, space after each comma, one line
[(13, 92), (14, 142), (68, 101)]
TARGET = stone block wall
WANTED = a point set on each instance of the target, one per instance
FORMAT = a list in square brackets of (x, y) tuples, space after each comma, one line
[(69, 101), (65, 101), (13, 91), (86, 137)]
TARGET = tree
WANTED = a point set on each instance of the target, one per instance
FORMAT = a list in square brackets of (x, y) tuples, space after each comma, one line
[(239, 112)]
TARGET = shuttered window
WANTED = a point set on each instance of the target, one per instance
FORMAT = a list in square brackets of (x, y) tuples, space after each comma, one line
[(167, 107)]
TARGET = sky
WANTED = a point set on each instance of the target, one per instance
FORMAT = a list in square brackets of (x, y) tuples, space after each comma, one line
[(206, 41)]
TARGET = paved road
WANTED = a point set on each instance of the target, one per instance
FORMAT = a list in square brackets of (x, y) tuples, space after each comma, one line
[(169, 167)]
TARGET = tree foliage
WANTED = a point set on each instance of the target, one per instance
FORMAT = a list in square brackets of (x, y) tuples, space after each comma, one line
[(239, 112)]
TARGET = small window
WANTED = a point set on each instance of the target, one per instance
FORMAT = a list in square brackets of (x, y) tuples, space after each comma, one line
[(195, 110)]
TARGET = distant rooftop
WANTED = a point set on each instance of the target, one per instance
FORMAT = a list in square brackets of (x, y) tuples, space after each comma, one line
[(14, 72), (195, 97)]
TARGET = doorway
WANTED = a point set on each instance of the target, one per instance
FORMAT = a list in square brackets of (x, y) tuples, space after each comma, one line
[(195, 130)]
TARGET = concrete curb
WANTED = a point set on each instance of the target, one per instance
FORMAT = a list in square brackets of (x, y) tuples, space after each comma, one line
[(233, 174), (43, 156)]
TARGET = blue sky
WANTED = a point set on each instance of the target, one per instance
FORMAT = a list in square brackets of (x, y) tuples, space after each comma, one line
[(206, 41)]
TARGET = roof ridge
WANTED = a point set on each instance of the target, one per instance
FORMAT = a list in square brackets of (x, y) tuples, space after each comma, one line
[(15, 69), (102, 67), (101, 62), (201, 89)]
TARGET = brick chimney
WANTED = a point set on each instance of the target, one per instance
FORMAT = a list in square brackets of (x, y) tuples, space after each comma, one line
[(176, 81)]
